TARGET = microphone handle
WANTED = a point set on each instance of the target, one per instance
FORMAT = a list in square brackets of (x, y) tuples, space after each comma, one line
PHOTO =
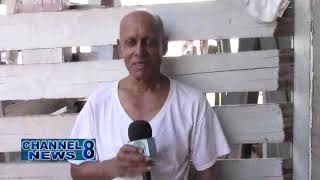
[(147, 176)]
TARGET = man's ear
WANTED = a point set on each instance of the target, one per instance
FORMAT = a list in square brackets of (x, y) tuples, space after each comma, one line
[(165, 45), (119, 48)]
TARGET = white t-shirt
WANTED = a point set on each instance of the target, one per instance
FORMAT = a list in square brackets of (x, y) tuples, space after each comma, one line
[(186, 128)]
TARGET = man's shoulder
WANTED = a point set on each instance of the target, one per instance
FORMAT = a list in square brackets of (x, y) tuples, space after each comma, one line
[(187, 91), (103, 92)]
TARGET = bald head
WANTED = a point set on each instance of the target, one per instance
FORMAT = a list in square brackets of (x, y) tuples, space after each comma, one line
[(144, 17), (142, 43)]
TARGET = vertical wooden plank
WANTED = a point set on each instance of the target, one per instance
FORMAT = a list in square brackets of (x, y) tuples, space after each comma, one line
[(2, 155), (315, 171), (1, 109), (302, 102)]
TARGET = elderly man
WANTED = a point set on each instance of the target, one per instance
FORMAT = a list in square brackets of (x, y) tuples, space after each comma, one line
[(185, 128)]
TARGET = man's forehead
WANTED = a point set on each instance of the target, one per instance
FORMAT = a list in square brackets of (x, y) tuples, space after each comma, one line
[(139, 18)]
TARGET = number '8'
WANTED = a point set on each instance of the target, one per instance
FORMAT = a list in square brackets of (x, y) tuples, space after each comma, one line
[(88, 151)]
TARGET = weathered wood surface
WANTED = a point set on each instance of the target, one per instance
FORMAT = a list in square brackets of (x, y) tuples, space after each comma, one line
[(242, 124), (218, 20), (251, 169), (246, 71), (36, 107), (302, 96), (315, 171)]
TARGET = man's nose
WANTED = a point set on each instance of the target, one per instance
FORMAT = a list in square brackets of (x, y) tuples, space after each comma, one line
[(140, 49)]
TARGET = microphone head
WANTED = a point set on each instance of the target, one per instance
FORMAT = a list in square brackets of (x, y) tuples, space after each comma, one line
[(139, 129)]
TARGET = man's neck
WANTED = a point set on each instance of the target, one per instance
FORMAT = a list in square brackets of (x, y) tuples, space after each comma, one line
[(146, 85)]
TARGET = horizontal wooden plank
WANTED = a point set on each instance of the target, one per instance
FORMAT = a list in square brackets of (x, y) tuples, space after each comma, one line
[(218, 20), (250, 169), (256, 123), (36, 56), (33, 126), (253, 169), (245, 71), (36, 107), (242, 124), (31, 171)]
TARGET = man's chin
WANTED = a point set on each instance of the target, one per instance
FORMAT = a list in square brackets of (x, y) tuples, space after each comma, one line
[(141, 75)]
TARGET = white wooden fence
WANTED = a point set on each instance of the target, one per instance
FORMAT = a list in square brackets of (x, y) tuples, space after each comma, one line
[(268, 70)]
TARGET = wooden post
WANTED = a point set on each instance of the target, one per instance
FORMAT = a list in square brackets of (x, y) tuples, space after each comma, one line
[(316, 94), (302, 95), (2, 155)]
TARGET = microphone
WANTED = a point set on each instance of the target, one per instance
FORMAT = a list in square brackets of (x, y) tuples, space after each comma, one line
[(140, 135)]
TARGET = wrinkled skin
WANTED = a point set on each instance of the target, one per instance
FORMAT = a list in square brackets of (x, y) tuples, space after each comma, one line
[(142, 44)]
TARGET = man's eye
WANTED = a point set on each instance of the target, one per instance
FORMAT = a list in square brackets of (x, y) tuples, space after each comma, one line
[(152, 42), (130, 42)]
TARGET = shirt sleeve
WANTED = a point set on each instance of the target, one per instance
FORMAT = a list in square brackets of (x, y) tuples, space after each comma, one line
[(84, 127), (208, 141)]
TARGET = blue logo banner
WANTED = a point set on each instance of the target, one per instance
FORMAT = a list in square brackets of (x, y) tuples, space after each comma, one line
[(58, 149)]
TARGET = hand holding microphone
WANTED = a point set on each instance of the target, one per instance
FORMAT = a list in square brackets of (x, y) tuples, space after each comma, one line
[(140, 135), (129, 161), (133, 158)]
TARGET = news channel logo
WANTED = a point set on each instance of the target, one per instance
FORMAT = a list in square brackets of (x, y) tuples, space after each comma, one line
[(58, 149)]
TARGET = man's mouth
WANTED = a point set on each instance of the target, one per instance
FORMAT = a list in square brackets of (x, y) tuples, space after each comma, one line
[(139, 64)]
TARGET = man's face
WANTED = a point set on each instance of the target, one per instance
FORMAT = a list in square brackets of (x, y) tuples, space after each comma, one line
[(141, 45)]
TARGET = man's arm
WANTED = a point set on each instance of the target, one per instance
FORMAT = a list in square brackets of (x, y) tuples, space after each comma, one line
[(89, 170), (208, 174)]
